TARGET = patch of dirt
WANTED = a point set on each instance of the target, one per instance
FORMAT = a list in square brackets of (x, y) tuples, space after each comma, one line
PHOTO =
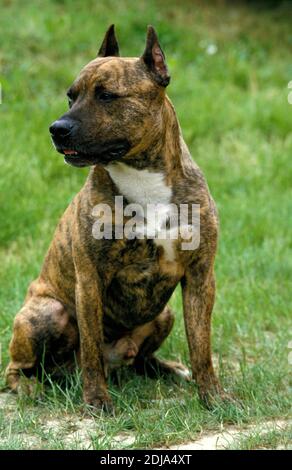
[(223, 439), (7, 401), (77, 433), (72, 431)]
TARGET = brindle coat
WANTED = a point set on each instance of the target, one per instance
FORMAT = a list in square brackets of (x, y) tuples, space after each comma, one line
[(91, 293)]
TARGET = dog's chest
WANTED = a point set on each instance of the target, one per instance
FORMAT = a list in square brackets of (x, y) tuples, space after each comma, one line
[(147, 271), (140, 186), (145, 189)]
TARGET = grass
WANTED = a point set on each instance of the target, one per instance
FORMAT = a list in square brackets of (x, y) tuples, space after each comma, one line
[(271, 439), (233, 108)]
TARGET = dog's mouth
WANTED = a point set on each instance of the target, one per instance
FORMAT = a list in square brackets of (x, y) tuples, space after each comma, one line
[(103, 154), (70, 152), (74, 158)]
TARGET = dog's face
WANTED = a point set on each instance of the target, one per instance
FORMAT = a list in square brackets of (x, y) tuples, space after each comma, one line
[(115, 105)]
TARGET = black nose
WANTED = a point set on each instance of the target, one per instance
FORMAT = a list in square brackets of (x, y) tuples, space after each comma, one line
[(61, 128)]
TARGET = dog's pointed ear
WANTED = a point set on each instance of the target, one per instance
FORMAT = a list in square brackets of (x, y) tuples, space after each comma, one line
[(109, 45), (154, 58)]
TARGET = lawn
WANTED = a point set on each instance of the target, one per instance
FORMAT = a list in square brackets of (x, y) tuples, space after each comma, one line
[(230, 68)]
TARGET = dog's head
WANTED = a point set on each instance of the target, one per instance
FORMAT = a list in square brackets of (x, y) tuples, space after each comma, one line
[(115, 105)]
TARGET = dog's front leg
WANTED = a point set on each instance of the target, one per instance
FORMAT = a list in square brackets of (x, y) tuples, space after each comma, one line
[(89, 316), (198, 288)]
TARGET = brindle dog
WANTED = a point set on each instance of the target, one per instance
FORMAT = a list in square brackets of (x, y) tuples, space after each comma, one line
[(92, 293)]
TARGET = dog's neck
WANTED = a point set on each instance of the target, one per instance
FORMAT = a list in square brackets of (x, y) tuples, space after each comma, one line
[(147, 173), (160, 150)]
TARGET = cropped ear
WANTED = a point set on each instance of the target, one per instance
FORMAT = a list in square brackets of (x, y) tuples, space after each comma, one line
[(154, 58), (109, 45)]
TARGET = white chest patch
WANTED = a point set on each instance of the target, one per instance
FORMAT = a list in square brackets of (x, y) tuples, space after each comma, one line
[(140, 186), (144, 187)]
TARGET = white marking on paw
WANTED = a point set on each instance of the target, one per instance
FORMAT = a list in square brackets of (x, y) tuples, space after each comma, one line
[(184, 373)]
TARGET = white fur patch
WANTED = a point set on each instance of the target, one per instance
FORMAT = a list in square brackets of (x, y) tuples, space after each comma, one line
[(144, 187), (140, 186)]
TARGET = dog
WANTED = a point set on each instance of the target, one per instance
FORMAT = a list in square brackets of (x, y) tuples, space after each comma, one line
[(105, 299)]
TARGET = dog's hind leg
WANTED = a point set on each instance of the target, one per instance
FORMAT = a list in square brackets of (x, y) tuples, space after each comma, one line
[(42, 328), (148, 364)]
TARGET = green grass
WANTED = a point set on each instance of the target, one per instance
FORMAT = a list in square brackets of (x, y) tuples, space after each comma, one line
[(272, 439), (236, 119)]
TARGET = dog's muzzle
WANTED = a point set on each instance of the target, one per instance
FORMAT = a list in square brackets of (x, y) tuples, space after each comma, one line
[(64, 133)]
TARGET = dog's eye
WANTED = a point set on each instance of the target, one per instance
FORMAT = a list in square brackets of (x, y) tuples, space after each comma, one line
[(105, 96)]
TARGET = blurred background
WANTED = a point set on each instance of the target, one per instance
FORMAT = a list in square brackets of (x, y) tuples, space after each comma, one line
[(230, 63)]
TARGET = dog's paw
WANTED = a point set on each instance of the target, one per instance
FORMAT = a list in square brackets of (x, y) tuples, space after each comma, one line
[(29, 387), (181, 372), (176, 370), (215, 396), (155, 367), (97, 403)]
